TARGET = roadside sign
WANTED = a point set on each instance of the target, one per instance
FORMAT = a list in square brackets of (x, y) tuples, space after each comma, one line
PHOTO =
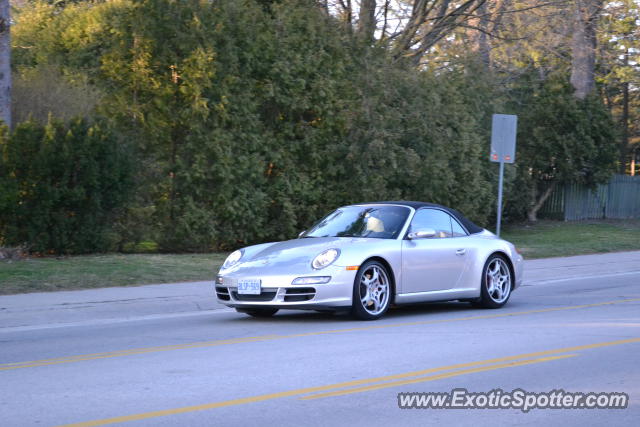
[(503, 138), (503, 150)]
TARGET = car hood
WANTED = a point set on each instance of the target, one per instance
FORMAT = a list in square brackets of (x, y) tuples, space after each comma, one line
[(291, 255)]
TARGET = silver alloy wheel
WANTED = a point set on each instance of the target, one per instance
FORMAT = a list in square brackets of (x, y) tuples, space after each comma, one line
[(374, 290), (498, 280)]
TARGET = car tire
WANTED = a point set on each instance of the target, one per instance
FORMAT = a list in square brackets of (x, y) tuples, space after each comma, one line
[(496, 283), (258, 312), (371, 291)]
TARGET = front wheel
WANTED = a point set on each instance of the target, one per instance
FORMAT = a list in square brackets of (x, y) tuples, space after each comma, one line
[(496, 283), (371, 291), (258, 312)]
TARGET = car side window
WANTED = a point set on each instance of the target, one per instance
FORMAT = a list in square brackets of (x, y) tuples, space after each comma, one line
[(457, 229), (432, 218)]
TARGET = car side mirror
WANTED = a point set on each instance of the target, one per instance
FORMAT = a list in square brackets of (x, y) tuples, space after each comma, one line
[(425, 233), (301, 233)]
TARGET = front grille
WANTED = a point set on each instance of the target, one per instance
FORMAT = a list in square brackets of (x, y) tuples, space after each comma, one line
[(299, 294), (223, 293), (267, 294)]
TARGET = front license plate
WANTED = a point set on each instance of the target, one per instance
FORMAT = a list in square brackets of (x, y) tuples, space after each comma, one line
[(251, 287)]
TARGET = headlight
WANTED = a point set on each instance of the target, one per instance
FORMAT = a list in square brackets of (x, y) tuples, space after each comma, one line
[(232, 259), (325, 259)]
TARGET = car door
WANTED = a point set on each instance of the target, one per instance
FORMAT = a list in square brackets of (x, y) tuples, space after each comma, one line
[(435, 263)]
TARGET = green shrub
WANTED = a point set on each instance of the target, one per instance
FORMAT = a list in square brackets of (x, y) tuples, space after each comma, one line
[(62, 185), (260, 120), (561, 140)]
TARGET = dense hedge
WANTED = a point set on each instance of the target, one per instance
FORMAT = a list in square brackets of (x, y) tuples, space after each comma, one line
[(255, 121), (62, 186), (249, 121)]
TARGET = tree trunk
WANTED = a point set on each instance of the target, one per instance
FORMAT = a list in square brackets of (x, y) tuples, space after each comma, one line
[(484, 51), (583, 46), (5, 62), (385, 15), (532, 214), (367, 20), (346, 13), (624, 141)]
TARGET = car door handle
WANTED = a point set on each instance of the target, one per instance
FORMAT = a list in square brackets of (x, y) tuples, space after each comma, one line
[(461, 251)]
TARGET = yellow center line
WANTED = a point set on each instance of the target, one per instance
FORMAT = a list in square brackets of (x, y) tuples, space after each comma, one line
[(93, 356), (437, 377), (253, 399), (460, 319), (335, 389), (214, 343)]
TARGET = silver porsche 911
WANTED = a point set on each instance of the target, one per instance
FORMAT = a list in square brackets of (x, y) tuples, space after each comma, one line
[(366, 257)]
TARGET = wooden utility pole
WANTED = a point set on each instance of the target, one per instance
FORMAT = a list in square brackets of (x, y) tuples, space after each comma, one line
[(5, 62)]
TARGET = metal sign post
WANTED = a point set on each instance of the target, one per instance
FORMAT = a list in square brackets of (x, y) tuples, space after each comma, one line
[(503, 150)]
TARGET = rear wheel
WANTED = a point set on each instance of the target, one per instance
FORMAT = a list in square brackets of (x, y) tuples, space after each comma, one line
[(371, 291), (258, 312), (496, 283)]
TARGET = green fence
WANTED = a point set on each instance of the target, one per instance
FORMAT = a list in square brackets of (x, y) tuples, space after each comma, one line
[(619, 198)]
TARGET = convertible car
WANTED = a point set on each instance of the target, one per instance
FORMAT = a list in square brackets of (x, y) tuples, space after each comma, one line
[(366, 257)]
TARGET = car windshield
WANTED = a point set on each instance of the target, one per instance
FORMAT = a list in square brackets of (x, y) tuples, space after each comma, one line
[(381, 222)]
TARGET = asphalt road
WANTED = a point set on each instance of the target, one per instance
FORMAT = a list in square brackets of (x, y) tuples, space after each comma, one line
[(576, 329)]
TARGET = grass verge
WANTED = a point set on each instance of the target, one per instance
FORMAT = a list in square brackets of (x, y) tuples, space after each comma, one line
[(555, 238), (97, 271)]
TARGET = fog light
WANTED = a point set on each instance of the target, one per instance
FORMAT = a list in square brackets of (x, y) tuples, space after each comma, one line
[(313, 280), (219, 280)]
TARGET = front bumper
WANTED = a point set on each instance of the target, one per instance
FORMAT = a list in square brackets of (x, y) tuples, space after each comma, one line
[(519, 270), (278, 292)]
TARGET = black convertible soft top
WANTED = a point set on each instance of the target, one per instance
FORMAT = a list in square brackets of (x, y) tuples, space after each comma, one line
[(470, 226)]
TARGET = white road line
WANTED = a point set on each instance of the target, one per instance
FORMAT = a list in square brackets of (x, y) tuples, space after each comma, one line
[(571, 279), (116, 320)]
